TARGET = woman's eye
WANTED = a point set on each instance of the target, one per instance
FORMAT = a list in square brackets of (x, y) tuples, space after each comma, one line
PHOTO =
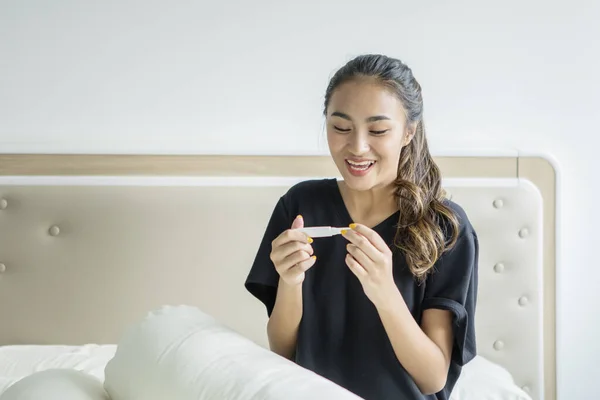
[(340, 129), (379, 132)]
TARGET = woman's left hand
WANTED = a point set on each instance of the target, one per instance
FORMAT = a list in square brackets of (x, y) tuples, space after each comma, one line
[(370, 259)]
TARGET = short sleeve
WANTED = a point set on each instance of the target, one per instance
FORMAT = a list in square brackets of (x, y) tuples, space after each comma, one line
[(452, 286), (263, 279)]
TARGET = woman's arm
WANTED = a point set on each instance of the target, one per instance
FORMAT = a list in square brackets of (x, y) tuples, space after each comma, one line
[(282, 328), (424, 351)]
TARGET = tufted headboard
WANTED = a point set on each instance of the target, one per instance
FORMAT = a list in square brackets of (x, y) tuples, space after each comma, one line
[(90, 243)]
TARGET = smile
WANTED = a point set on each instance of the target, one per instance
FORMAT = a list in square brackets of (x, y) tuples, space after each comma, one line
[(359, 168)]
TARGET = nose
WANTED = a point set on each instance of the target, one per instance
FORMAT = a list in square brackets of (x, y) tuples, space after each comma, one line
[(358, 143)]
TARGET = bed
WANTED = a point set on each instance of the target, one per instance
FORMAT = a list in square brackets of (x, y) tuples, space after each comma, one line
[(90, 243)]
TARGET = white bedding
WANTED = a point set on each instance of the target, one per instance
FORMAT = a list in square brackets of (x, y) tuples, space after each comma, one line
[(16, 362), (481, 379), (175, 350)]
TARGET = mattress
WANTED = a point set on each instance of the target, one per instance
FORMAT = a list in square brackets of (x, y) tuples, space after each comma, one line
[(17, 362)]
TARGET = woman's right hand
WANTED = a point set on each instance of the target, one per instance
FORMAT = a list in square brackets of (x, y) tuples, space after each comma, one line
[(292, 254)]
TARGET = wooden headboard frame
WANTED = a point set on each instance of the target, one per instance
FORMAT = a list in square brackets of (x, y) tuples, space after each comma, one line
[(538, 170)]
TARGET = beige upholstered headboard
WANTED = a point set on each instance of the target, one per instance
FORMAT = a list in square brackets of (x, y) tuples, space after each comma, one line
[(90, 243)]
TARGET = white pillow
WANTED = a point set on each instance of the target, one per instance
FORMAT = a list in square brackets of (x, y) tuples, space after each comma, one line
[(56, 384), (481, 379), (182, 353)]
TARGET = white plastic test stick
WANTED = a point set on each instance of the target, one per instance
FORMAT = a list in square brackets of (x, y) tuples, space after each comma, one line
[(322, 231)]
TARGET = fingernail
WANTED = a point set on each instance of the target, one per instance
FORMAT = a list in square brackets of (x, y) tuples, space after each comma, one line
[(298, 216), (343, 231), (314, 257), (352, 226), (310, 240)]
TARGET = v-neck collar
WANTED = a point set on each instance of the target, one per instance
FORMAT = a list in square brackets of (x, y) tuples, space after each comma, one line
[(344, 213)]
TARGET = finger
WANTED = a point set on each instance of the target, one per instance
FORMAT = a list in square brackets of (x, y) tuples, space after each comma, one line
[(298, 222), (305, 265), (296, 273), (359, 256), (292, 247), (290, 235), (293, 259), (364, 244), (355, 267), (372, 236), (280, 253)]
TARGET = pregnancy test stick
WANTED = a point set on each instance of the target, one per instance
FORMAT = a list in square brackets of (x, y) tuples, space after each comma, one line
[(321, 231)]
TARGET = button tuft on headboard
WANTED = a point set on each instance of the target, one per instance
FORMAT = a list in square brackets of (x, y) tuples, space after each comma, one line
[(526, 389), (54, 230), (499, 268), (2, 268), (523, 301), (3, 204), (498, 345), (498, 203), (524, 232)]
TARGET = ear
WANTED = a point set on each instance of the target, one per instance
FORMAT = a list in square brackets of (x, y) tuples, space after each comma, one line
[(411, 129)]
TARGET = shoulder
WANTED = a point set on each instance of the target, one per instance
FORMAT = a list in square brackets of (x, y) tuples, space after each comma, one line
[(295, 199), (456, 269), (465, 227), (314, 199), (307, 189), (310, 186)]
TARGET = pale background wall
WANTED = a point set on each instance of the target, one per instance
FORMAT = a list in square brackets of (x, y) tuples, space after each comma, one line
[(248, 78)]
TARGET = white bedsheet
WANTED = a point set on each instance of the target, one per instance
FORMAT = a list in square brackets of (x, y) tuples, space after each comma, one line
[(17, 362)]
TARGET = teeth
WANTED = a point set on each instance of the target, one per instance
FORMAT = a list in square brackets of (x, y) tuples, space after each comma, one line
[(360, 166)]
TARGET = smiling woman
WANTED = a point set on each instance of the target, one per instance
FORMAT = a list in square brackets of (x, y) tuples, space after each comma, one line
[(387, 309)]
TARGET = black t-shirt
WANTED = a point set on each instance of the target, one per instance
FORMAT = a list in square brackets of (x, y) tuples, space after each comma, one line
[(341, 336)]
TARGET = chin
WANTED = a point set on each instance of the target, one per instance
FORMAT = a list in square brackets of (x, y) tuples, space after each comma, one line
[(359, 179), (359, 184)]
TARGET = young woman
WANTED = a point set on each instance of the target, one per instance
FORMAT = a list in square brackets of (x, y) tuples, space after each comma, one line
[(386, 309)]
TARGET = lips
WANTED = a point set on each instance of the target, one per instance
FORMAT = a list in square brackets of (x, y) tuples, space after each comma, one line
[(359, 167)]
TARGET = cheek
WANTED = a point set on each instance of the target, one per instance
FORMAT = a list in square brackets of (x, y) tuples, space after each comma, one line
[(391, 156), (390, 150), (335, 141)]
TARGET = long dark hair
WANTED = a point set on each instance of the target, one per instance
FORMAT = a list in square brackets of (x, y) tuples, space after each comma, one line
[(426, 227)]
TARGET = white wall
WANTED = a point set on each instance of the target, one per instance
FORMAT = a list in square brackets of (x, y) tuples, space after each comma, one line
[(248, 77)]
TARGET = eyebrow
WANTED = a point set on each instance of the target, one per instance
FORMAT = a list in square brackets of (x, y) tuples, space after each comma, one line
[(370, 119)]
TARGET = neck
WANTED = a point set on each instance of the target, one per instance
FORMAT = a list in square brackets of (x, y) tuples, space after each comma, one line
[(369, 207)]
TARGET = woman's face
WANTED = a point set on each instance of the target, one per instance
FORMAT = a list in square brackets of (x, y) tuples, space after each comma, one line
[(366, 131)]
